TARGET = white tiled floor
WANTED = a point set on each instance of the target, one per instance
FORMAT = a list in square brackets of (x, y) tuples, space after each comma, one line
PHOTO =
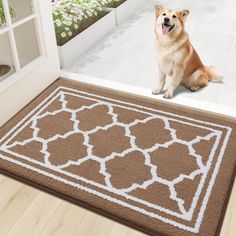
[(127, 55)]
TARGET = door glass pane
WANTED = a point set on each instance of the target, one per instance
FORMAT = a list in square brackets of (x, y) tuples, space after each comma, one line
[(26, 42), (6, 59), (20, 9), (2, 16)]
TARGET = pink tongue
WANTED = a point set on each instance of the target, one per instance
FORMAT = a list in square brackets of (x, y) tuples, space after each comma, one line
[(165, 29)]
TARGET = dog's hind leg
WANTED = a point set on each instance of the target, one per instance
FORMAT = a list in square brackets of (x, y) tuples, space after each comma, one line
[(196, 81)]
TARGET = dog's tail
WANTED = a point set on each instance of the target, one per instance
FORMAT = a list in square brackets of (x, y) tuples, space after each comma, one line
[(213, 74)]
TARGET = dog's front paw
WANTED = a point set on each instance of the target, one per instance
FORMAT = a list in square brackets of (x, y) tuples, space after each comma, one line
[(156, 91), (168, 94)]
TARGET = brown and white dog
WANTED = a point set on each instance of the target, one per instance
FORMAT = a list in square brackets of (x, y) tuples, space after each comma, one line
[(176, 56)]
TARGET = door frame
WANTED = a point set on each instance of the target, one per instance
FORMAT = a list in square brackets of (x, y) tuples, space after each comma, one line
[(20, 88)]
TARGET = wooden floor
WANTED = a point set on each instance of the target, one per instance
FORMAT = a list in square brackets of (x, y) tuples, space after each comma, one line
[(25, 211)]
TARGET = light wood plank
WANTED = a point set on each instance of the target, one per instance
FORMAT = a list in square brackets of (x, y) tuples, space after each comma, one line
[(101, 227), (31, 212), (65, 221), (118, 229), (2, 177), (229, 225), (15, 206), (36, 216), (86, 224), (8, 189), (132, 232)]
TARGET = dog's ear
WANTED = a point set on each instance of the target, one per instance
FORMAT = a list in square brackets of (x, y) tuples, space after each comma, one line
[(158, 9), (183, 14)]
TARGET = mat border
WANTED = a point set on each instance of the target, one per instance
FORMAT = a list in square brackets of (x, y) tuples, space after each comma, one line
[(58, 94), (201, 213)]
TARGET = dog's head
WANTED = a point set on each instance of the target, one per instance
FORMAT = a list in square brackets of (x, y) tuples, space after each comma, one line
[(170, 22)]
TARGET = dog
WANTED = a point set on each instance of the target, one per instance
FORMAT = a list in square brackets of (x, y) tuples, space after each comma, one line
[(177, 57)]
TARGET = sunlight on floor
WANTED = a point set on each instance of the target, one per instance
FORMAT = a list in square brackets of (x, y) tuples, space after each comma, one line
[(127, 55)]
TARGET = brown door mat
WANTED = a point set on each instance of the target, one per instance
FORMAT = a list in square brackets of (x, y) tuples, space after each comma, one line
[(158, 168)]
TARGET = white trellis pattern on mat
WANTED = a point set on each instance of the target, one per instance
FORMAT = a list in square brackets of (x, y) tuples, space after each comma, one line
[(150, 115)]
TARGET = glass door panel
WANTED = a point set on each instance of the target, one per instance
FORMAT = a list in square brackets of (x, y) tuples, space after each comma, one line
[(26, 42), (21, 9), (6, 58), (2, 16)]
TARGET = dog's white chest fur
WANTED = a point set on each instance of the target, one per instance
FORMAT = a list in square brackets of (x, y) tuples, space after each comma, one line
[(166, 66), (168, 58), (170, 54)]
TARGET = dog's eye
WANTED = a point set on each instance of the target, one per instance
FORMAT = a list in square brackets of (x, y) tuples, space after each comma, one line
[(174, 16), (164, 14)]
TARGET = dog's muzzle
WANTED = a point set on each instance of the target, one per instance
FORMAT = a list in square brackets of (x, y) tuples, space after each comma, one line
[(166, 27)]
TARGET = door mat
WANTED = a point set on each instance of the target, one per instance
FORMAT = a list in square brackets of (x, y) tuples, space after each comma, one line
[(159, 168)]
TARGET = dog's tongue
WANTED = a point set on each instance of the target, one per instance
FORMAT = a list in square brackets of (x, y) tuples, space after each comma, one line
[(165, 29)]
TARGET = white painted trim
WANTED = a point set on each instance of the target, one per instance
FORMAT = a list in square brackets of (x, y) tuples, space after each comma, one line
[(126, 9), (187, 102), (39, 29), (24, 20), (4, 30), (15, 77)]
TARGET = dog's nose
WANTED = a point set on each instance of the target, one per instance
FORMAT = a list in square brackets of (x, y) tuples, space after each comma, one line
[(166, 19)]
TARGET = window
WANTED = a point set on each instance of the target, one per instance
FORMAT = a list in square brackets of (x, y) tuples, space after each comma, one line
[(19, 36)]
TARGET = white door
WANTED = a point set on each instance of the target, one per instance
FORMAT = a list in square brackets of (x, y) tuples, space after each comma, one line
[(28, 46)]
